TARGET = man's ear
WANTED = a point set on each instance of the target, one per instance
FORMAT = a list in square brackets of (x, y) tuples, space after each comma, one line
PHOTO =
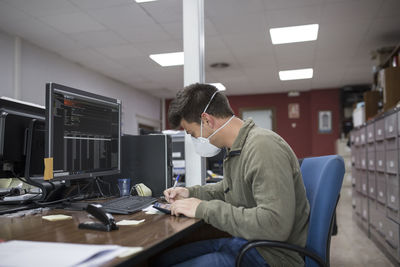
[(208, 120)]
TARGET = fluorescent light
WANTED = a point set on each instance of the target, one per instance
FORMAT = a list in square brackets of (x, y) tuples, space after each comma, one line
[(219, 86), (168, 59), (144, 1), (285, 75), (294, 34)]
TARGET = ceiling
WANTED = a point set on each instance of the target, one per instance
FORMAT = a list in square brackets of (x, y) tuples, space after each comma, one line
[(116, 37)]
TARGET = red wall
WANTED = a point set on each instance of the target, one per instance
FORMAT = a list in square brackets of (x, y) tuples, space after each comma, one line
[(304, 138)]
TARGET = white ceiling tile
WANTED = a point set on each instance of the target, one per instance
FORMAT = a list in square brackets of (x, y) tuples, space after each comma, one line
[(9, 13), (150, 33), (98, 4), (174, 29), (294, 56), (165, 11), (293, 16), (233, 24), (350, 10), (278, 4), (298, 85), (120, 51), (160, 47), (73, 23), (39, 8), (232, 7), (98, 38), (209, 28), (122, 16), (384, 32), (390, 8)]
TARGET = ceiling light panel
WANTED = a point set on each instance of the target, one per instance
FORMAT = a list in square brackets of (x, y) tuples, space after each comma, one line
[(294, 34), (168, 59), (299, 74)]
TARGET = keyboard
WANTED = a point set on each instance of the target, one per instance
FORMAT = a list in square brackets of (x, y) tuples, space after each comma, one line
[(127, 204)]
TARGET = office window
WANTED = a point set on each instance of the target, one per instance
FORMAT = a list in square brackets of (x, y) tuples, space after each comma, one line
[(263, 117)]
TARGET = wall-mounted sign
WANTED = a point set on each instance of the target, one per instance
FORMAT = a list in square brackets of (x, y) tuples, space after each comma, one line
[(294, 111), (325, 121)]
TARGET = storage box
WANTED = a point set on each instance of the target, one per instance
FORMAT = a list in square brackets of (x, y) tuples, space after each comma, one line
[(371, 100), (358, 116), (389, 79)]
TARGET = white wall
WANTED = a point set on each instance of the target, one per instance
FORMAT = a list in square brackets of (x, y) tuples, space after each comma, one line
[(39, 66), (6, 65)]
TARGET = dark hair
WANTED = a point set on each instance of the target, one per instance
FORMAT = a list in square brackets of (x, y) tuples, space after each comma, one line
[(191, 101)]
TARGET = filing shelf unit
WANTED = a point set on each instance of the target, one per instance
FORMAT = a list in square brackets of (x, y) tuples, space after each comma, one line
[(375, 180)]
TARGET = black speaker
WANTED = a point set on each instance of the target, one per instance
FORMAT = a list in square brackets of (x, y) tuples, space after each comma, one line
[(147, 159)]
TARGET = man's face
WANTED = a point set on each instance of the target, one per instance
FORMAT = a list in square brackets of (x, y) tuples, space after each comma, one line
[(193, 129)]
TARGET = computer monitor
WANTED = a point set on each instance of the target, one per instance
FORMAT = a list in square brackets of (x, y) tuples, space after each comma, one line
[(83, 133), (16, 119)]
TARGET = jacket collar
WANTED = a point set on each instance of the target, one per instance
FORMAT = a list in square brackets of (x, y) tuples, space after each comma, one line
[(241, 138)]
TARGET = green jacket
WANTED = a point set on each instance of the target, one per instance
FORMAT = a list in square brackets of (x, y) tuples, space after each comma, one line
[(262, 195)]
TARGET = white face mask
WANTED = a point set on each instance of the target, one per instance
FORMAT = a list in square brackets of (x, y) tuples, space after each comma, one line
[(202, 145)]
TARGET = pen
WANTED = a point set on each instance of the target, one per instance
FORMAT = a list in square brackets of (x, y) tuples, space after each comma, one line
[(176, 180)]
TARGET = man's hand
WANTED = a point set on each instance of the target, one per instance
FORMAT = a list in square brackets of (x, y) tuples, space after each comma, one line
[(173, 194), (186, 207)]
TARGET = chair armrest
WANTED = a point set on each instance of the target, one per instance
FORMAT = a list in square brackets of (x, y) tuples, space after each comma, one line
[(277, 244)]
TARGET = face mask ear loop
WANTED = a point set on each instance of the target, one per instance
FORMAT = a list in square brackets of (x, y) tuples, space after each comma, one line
[(220, 128), (201, 121)]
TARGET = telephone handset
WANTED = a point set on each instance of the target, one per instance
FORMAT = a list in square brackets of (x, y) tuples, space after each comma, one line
[(107, 220)]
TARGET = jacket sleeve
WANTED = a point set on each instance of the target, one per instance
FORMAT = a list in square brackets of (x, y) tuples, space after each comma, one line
[(268, 170), (207, 192)]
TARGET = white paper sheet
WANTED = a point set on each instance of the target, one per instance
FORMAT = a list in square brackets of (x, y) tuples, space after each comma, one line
[(17, 253)]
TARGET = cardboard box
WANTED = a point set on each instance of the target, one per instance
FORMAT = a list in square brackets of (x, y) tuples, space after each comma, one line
[(390, 82), (371, 100)]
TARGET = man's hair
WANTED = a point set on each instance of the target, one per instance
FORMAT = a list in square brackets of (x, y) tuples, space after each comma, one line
[(191, 101)]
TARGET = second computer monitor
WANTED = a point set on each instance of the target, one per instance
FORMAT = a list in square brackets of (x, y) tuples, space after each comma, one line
[(83, 133)]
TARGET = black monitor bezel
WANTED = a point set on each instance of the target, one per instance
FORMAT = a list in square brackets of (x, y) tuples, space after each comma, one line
[(50, 89)]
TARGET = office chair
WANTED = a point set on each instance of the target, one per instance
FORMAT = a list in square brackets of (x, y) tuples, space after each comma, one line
[(322, 177)]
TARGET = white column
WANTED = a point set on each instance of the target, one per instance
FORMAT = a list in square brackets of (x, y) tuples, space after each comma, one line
[(17, 67), (193, 46)]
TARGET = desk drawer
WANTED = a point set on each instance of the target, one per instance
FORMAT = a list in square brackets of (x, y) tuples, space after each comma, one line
[(370, 133), (381, 224), (371, 161), (381, 188), (379, 129), (392, 201), (363, 157), (391, 126), (391, 144), (380, 161), (364, 182), (380, 146), (372, 185), (358, 208), (392, 161), (392, 233)]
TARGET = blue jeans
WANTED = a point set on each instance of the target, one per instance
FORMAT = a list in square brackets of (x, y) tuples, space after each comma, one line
[(215, 252)]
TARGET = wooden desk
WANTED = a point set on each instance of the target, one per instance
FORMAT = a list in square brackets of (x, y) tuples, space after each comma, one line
[(155, 234)]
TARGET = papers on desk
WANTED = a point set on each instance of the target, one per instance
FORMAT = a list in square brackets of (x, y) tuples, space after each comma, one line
[(29, 253), (151, 210)]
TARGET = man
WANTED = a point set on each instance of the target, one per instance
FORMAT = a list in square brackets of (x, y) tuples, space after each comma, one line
[(262, 195)]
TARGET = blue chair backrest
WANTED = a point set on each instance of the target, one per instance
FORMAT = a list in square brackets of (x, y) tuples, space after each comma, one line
[(323, 177)]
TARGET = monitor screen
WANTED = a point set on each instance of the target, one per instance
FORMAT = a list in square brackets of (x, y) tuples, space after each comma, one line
[(16, 118), (83, 133)]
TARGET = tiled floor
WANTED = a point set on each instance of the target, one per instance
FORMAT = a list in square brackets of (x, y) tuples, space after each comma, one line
[(351, 247)]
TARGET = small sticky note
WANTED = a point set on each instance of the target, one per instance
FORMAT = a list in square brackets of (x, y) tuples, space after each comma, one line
[(48, 169), (58, 217), (130, 251), (129, 222)]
